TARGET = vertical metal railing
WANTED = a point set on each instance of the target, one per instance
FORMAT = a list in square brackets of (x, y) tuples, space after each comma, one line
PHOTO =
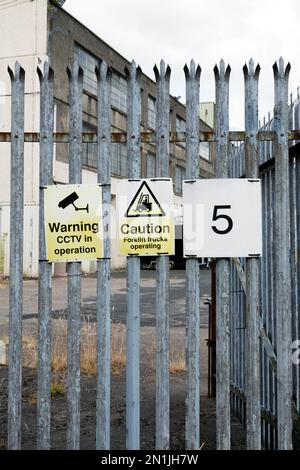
[(278, 272), (192, 76), (297, 303), (297, 313), (74, 268), (283, 268), (162, 265), (252, 267), (222, 269), (16, 257), (294, 262), (45, 268), (278, 184), (133, 270), (103, 265)]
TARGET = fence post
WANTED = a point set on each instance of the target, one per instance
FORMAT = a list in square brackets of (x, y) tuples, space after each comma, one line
[(192, 76), (162, 264), (74, 268), (222, 270), (16, 257), (253, 415), (45, 268), (282, 267), (103, 265), (133, 274)]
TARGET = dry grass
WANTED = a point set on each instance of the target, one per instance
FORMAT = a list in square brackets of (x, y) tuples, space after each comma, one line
[(88, 360), (32, 398), (3, 444), (30, 350), (177, 363), (118, 349)]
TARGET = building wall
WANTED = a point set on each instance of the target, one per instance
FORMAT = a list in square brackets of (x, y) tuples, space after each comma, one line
[(63, 28), (32, 32), (23, 26), (24, 39), (207, 113)]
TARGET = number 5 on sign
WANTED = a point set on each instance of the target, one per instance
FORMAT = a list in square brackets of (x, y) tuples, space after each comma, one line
[(222, 218)]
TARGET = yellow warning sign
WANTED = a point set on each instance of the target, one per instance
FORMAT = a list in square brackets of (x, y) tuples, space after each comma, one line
[(73, 222), (145, 219)]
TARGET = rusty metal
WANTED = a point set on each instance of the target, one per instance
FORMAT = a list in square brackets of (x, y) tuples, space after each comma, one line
[(148, 137)]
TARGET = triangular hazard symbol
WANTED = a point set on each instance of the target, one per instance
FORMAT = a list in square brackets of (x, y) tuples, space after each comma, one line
[(144, 204)]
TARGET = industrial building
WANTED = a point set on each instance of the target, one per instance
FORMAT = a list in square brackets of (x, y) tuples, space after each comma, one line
[(33, 31)]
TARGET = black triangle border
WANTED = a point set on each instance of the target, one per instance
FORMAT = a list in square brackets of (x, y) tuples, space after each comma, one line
[(144, 183)]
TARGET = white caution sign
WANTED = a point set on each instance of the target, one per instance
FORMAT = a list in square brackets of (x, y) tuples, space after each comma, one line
[(73, 222), (222, 218), (145, 218)]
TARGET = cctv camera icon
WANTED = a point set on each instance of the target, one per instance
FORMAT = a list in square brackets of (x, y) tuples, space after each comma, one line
[(67, 201)]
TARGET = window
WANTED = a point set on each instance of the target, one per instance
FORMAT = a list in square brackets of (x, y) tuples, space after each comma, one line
[(88, 63), (89, 151), (204, 150), (150, 166), (180, 127), (151, 112), (119, 159), (119, 92), (118, 83), (179, 177)]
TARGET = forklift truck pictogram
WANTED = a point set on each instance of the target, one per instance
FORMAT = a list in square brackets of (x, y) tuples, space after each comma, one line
[(144, 204)]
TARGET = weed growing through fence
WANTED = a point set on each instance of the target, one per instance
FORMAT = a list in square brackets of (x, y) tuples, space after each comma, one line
[(57, 389)]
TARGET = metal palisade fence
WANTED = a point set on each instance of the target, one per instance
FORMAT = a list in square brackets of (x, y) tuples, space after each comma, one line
[(277, 375), (257, 299)]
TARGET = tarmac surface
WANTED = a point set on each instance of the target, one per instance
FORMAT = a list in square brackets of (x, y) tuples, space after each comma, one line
[(118, 299)]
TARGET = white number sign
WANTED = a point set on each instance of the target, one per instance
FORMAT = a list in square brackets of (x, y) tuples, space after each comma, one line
[(222, 218)]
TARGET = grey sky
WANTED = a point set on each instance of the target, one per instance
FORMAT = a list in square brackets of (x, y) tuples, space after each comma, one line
[(178, 30)]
